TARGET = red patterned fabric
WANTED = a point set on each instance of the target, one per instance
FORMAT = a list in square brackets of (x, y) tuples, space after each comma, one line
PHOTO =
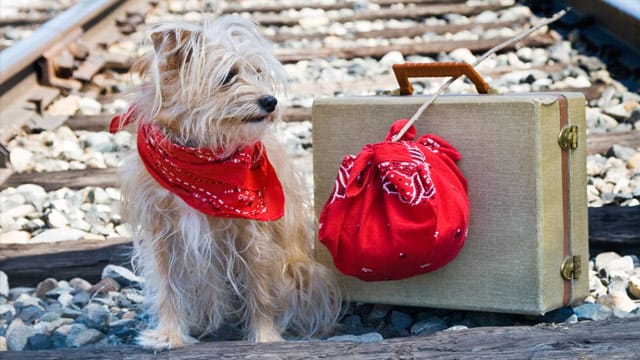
[(243, 185), (398, 209)]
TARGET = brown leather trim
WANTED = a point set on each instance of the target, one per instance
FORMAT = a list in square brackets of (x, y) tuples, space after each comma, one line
[(566, 216)]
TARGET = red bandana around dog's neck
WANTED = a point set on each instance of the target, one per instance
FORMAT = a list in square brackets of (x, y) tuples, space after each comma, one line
[(243, 185)]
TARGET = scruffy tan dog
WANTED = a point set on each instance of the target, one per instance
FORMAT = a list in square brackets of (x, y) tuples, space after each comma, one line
[(220, 220)]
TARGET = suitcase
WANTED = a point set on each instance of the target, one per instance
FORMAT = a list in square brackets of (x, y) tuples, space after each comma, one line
[(524, 157)]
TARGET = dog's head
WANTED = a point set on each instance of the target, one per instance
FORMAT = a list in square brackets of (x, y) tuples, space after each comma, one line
[(214, 85)]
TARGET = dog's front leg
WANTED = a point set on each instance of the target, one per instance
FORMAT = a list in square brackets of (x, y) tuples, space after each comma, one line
[(262, 305), (171, 331)]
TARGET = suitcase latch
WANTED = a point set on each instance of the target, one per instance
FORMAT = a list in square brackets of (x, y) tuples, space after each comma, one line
[(571, 267), (568, 137)]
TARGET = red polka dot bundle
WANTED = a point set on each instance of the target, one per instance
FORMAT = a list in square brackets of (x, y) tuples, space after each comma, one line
[(398, 209)]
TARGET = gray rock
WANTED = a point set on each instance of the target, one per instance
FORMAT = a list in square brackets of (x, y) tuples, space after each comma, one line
[(133, 295), (353, 325), (379, 311), (3, 344), (65, 299), (28, 308), (86, 337), (364, 338), (427, 327), (123, 276), (50, 316), (125, 329), (401, 320), (65, 335), (70, 313), (30, 314), (81, 299), (590, 311), (571, 319), (17, 335), (38, 341), (95, 316), (7, 313), (16, 292)]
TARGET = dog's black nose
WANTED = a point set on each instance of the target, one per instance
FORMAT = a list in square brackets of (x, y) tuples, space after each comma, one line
[(268, 103)]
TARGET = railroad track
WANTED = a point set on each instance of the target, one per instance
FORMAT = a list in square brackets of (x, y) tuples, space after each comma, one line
[(71, 76), (85, 52)]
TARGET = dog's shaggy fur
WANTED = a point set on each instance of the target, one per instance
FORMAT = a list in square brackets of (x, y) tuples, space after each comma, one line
[(202, 87)]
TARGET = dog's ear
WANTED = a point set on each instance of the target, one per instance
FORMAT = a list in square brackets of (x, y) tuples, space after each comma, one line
[(169, 39), (171, 45)]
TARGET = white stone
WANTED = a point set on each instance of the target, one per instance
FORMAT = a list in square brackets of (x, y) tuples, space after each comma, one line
[(64, 133), (576, 82), (617, 111), (28, 190), (603, 259), (19, 211), (80, 225), (596, 288), (10, 201), (463, 55), (634, 162), (616, 174), (392, 57), (21, 159), (56, 219), (56, 235), (89, 106), (15, 237), (67, 105), (486, 17), (311, 22), (618, 300)]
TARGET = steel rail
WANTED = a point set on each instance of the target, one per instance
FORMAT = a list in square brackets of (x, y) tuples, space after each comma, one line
[(18, 57)]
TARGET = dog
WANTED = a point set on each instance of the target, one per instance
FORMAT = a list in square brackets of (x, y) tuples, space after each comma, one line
[(241, 248)]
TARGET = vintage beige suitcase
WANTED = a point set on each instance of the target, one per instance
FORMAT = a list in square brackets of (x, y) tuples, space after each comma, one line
[(524, 156)]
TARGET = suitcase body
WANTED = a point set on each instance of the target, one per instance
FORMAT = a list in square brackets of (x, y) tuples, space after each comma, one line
[(527, 247)]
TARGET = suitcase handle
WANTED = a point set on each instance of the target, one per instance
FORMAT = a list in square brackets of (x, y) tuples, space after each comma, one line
[(455, 69)]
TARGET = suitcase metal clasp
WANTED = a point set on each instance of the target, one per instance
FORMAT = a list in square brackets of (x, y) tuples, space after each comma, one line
[(571, 267), (568, 138)]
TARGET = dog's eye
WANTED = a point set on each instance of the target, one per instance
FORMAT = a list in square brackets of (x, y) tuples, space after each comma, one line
[(229, 78)]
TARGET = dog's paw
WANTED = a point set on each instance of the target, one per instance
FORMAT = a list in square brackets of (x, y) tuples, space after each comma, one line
[(159, 340), (265, 335)]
